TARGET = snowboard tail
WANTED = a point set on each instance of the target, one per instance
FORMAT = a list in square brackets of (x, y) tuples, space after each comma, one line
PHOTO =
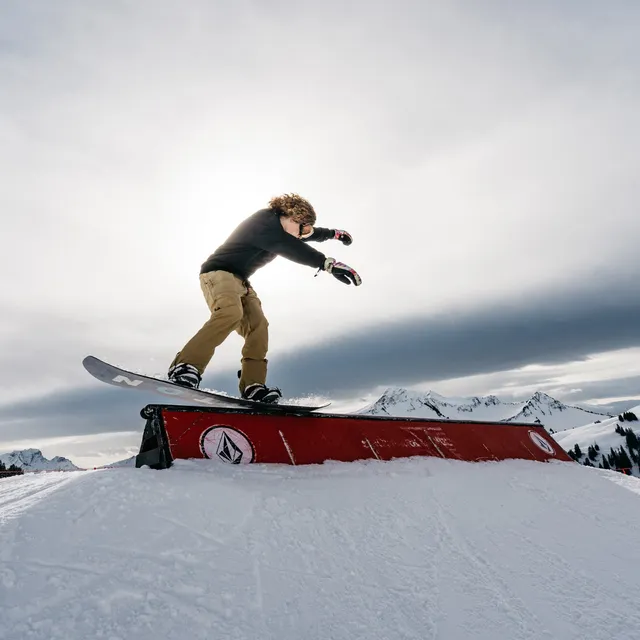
[(118, 377)]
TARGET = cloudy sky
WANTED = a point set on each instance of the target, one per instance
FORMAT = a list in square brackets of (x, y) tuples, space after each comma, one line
[(483, 154)]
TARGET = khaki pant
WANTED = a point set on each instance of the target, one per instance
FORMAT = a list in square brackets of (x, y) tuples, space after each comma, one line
[(234, 307)]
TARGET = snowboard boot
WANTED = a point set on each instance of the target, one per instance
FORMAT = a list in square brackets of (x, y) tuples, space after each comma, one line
[(261, 393), (185, 375)]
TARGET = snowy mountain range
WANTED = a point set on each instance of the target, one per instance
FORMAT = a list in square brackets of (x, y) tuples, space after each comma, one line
[(33, 460), (540, 408)]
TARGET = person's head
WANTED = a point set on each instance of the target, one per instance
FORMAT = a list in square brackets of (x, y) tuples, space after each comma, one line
[(296, 214)]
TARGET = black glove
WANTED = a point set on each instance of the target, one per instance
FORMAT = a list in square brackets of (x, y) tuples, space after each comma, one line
[(342, 272), (343, 236)]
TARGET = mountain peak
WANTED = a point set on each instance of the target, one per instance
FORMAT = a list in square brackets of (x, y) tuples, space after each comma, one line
[(541, 396), (542, 399), (540, 408), (33, 460)]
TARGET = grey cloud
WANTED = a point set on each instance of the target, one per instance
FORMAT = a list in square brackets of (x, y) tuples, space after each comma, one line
[(545, 329), (613, 408), (39, 348), (76, 412), (541, 329), (617, 387)]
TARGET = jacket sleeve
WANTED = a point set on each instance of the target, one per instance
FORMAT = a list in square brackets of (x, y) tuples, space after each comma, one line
[(320, 234), (278, 241)]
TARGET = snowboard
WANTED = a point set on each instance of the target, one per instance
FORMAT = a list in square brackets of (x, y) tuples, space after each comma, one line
[(118, 377)]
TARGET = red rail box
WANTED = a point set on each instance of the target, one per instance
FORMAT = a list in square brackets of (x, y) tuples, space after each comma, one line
[(243, 437)]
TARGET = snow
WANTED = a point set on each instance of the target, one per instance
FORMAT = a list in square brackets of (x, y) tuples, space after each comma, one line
[(540, 408), (128, 462), (602, 433), (17, 495), (409, 549)]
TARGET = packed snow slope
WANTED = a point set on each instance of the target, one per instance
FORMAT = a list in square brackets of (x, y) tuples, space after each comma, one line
[(409, 549), (540, 408)]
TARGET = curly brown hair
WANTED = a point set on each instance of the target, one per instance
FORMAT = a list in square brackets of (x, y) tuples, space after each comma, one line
[(293, 206)]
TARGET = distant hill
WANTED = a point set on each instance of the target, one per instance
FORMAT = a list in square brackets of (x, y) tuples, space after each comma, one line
[(608, 443)]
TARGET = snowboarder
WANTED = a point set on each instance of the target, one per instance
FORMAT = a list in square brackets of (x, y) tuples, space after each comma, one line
[(282, 229)]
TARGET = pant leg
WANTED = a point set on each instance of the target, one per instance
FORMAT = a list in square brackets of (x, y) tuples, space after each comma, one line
[(254, 328), (223, 293)]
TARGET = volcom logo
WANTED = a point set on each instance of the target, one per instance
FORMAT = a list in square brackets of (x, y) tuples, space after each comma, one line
[(540, 442), (227, 444)]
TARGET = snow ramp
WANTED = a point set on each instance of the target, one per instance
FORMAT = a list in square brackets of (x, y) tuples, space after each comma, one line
[(420, 548)]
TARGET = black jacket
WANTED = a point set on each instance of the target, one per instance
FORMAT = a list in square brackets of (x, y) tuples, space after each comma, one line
[(258, 240)]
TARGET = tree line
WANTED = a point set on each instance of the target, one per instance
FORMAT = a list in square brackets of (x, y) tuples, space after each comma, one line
[(621, 458), (13, 470)]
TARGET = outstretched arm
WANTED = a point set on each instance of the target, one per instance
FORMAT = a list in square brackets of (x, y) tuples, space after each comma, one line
[(320, 234), (280, 242)]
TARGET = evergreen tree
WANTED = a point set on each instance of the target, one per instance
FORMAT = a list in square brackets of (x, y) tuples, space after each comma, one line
[(597, 448), (578, 451), (12, 470), (605, 463), (587, 463), (619, 429), (592, 453), (632, 439), (623, 457)]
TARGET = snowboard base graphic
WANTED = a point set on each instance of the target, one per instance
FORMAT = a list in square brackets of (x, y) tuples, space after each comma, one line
[(118, 377)]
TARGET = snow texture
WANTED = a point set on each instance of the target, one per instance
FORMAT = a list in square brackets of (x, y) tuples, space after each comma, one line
[(540, 408), (410, 549)]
